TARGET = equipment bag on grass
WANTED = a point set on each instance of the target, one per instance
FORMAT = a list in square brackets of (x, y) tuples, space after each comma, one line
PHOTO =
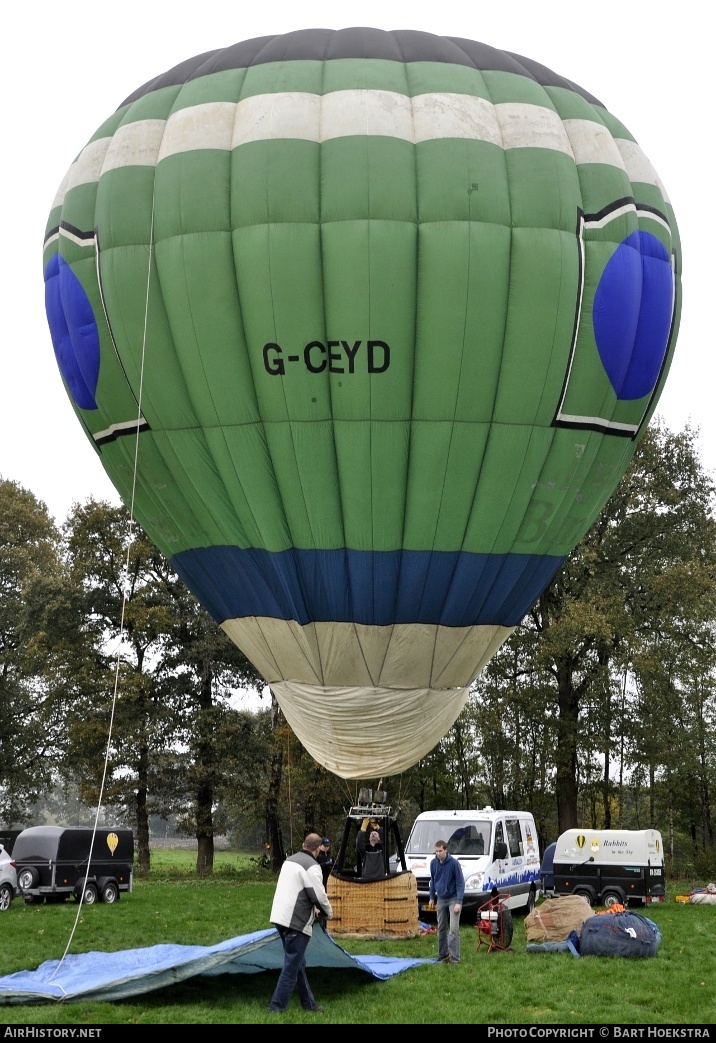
[(627, 934)]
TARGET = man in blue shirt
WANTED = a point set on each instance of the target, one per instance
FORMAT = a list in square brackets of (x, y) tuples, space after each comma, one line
[(447, 884)]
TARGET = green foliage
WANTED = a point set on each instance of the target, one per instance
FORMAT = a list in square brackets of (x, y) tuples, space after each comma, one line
[(634, 600), (29, 726)]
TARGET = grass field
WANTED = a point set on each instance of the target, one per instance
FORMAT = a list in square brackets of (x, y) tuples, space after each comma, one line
[(676, 987)]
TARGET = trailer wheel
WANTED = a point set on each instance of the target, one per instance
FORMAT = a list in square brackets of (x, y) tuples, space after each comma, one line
[(584, 892), (110, 892), (7, 894), (27, 878), (610, 898), (90, 895)]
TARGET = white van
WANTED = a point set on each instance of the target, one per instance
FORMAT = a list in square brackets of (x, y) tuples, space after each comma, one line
[(610, 866), (496, 849)]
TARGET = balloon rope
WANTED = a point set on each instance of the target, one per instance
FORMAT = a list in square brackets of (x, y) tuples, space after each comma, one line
[(125, 588)]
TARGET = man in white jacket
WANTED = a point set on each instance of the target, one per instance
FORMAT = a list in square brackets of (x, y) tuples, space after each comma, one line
[(299, 897)]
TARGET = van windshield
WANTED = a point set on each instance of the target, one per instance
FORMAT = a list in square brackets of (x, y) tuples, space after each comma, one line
[(463, 838)]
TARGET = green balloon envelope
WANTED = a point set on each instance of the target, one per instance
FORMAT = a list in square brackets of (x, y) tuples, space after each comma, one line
[(387, 313)]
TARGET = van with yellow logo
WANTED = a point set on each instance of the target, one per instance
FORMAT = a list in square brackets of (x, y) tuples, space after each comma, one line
[(610, 866)]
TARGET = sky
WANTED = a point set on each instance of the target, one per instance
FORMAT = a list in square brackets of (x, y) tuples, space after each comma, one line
[(67, 67)]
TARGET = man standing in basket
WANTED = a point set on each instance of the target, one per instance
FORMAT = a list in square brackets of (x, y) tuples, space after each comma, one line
[(447, 884), (299, 897), (370, 851)]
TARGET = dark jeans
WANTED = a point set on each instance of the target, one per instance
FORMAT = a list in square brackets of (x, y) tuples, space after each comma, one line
[(293, 975)]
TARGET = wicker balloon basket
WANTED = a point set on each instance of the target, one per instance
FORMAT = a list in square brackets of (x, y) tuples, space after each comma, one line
[(374, 908)]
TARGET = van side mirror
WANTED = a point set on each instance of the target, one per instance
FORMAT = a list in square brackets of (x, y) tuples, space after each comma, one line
[(500, 850)]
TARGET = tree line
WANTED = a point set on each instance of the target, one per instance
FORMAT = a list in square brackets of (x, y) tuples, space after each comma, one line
[(600, 710)]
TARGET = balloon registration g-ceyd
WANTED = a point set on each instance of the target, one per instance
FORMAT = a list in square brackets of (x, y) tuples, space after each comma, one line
[(384, 315)]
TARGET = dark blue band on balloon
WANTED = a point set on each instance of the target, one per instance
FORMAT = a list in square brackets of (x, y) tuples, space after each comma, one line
[(374, 588)]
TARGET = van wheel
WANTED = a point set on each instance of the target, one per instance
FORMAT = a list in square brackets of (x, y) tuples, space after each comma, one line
[(610, 898), (6, 896), (110, 892), (529, 905), (27, 878), (584, 893)]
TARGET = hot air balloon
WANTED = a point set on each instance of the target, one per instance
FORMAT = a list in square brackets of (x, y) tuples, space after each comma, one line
[(374, 321)]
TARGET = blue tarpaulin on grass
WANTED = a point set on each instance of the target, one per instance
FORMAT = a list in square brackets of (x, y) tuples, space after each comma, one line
[(131, 972)]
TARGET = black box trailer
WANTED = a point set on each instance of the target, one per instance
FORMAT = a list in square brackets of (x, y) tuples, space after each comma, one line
[(53, 863), (609, 866)]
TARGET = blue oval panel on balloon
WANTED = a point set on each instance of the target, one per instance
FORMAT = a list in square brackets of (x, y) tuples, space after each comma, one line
[(632, 314), (73, 328)]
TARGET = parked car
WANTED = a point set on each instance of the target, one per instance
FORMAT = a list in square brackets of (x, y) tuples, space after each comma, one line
[(8, 880), (52, 863)]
